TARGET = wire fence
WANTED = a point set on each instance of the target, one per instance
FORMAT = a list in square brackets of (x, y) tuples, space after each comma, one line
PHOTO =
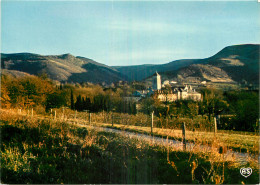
[(197, 123)]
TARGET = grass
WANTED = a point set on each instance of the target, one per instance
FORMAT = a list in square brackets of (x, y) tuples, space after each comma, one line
[(42, 150), (140, 123), (237, 142)]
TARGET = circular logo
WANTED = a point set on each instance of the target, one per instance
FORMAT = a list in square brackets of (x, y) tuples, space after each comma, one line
[(246, 172)]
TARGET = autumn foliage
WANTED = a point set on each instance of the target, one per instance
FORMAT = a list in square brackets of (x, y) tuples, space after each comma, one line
[(25, 92)]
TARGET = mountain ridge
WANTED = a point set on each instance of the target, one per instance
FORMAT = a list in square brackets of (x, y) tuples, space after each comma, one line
[(235, 63), (63, 68)]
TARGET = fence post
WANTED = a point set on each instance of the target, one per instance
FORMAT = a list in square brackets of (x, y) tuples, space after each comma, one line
[(168, 157), (75, 117), (89, 118), (152, 124), (63, 113), (183, 136), (215, 125)]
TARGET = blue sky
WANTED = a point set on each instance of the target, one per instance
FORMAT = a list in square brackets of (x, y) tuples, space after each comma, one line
[(128, 33)]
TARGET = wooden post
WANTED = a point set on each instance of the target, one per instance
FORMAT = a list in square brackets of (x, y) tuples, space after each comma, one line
[(152, 124), (168, 157), (51, 113), (218, 120), (89, 118), (75, 117), (63, 113), (215, 125), (183, 136)]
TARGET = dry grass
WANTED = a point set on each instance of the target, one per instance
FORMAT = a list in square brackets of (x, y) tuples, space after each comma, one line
[(43, 150), (233, 141), (238, 141)]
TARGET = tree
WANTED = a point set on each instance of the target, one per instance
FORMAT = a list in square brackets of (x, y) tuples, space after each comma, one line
[(147, 105), (5, 99), (56, 100), (25, 92), (213, 102), (86, 103), (245, 106), (193, 109), (79, 104)]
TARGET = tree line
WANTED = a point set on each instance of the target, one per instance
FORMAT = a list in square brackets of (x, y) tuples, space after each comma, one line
[(102, 103), (28, 92), (239, 109)]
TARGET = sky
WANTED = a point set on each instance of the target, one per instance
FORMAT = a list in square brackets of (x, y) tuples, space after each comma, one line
[(118, 33)]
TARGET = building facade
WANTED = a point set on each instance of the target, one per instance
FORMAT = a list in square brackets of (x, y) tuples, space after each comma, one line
[(186, 93)]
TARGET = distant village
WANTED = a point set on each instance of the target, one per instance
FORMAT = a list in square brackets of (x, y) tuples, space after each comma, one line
[(166, 92)]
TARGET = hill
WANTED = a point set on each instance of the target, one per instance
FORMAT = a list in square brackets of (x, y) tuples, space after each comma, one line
[(63, 68), (140, 72), (238, 63), (232, 64)]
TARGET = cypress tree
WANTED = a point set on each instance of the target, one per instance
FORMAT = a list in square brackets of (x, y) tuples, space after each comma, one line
[(78, 104)]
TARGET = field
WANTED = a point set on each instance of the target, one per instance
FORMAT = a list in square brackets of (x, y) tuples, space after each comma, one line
[(232, 140), (38, 149), (140, 123)]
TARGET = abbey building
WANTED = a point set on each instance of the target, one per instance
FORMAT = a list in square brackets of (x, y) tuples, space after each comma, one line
[(173, 93)]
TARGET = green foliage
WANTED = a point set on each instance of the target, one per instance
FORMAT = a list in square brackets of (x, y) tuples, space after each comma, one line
[(245, 106), (126, 107), (184, 108), (79, 103), (105, 102), (83, 104), (147, 105), (56, 100), (138, 86), (213, 102)]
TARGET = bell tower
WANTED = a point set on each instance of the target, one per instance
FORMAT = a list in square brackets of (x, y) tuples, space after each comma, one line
[(156, 81)]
